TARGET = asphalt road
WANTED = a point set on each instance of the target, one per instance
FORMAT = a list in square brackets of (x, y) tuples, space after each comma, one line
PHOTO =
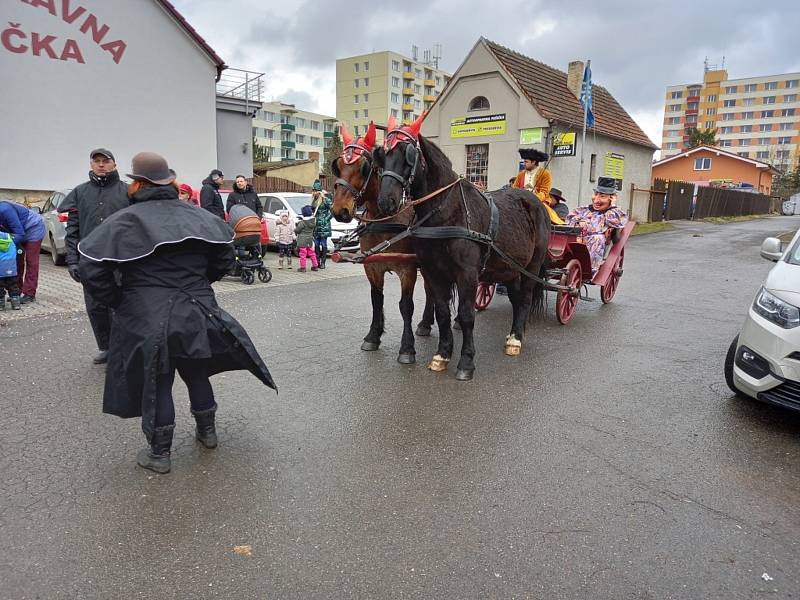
[(607, 461)]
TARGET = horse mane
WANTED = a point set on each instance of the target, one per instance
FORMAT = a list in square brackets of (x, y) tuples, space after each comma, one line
[(439, 167)]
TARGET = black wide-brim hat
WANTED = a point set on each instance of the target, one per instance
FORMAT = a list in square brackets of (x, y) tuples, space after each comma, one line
[(152, 167), (556, 193), (533, 154)]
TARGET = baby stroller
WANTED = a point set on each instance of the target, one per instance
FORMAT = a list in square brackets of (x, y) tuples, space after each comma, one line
[(247, 245)]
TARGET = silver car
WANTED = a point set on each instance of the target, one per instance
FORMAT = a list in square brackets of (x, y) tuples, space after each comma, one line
[(56, 224)]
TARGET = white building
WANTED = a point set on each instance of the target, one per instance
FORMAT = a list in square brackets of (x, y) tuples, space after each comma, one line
[(499, 101), (289, 133), (129, 76)]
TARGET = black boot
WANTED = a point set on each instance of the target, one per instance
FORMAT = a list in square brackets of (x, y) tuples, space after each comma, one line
[(156, 457), (206, 431), (15, 304), (322, 260)]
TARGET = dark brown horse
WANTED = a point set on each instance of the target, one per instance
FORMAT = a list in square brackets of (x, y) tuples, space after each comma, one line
[(416, 171), (356, 188)]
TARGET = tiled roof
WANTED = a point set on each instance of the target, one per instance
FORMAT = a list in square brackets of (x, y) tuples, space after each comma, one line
[(546, 88)]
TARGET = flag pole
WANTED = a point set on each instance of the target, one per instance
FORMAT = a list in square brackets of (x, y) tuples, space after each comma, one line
[(585, 95)]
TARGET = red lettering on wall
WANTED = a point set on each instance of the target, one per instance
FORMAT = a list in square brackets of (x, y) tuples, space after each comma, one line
[(13, 31), (66, 15), (116, 49), (98, 32), (72, 51), (50, 5), (43, 43)]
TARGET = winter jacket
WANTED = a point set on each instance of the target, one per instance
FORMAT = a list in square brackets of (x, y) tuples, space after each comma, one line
[(323, 208), (284, 232), (248, 197), (24, 224), (305, 232), (88, 205), (8, 257), (210, 198), (167, 254)]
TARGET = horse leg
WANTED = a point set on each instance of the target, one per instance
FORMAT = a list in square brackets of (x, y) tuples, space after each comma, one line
[(467, 288), (441, 289), (425, 325), (519, 293), (372, 340), (408, 278)]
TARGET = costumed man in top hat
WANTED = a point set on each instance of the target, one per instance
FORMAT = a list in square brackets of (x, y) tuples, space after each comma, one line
[(535, 177), (154, 263), (599, 219)]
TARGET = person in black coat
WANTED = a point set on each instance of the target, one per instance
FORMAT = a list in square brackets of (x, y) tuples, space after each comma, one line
[(89, 205), (210, 198), (243, 193), (154, 263)]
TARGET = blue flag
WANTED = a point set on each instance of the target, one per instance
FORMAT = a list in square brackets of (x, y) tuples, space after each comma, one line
[(586, 95)]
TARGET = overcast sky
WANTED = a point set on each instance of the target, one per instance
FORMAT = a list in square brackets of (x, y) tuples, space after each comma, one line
[(637, 48)]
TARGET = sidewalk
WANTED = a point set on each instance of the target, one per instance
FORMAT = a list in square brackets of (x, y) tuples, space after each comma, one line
[(58, 294)]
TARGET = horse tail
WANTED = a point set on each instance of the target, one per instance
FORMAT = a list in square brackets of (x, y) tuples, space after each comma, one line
[(539, 264)]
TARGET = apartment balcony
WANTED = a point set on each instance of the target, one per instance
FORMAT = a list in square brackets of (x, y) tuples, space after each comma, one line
[(287, 144), (408, 75), (408, 106), (329, 134), (691, 111), (429, 98), (287, 127), (429, 82), (693, 98), (408, 91)]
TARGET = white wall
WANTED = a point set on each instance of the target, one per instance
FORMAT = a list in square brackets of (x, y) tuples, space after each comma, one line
[(233, 130), (160, 97)]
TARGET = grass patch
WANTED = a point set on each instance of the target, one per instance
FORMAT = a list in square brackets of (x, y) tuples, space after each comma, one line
[(726, 220), (643, 228)]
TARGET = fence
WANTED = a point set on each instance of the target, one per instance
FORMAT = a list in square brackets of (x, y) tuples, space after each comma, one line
[(263, 184), (671, 200)]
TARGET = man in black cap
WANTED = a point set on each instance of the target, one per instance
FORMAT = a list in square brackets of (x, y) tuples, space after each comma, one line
[(557, 203), (88, 205), (210, 198)]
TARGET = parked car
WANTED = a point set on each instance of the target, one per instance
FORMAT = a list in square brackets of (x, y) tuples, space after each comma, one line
[(763, 361), (56, 225), (276, 202)]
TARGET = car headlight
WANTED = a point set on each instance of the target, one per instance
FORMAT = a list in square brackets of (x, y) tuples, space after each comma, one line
[(775, 310)]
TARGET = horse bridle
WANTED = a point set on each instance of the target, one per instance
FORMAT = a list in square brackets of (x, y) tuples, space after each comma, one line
[(413, 153), (366, 155)]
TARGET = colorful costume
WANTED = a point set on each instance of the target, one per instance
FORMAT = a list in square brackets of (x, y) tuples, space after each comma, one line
[(600, 224), (538, 180)]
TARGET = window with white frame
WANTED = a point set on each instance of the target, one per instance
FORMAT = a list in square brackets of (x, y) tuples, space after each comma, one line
[(366, 81), (672, 146), (782, 141), (750, 87), (691, 106), (366, 65), (299, 154), (676, 95), (356, 83), (790, 98), (748, 101), (394, 113), (395, 97), (764, 141), (396, 66), (744, 142), (365, 112), (782, 154), (702, 164), (711, 111), (787, 112), (731, 89), (355, 67), (366, 97), (477, 164), (712, 98), (417, 89), (355, 99), (785, 126), (709, 124), (691, 118), (771, 85), (396, 82), (725, 143), (673, 120), (746, 128), (748, 114), (674, 107), (726, 129), (762, 154), (355, 114), (728, 103), (417, 104), (765, 127), (767, 114), (792, 83), (728, 117), (300, 139), (769, 99)]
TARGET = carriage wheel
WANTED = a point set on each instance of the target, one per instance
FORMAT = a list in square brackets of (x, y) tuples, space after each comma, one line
[(565, 301), (484, 295), (610, 288), (264, 275), (248, 278)]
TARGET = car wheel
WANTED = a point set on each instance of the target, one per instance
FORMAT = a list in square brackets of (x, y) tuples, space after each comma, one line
[(729, 358)]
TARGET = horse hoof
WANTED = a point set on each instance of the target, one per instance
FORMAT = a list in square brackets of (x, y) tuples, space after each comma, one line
[(513, 346), (406, 358), (464, 374), (438, 363), (369, 346), (423, 331)]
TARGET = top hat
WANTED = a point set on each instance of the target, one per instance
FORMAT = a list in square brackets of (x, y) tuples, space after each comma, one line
[(606, 185), (152, 167)]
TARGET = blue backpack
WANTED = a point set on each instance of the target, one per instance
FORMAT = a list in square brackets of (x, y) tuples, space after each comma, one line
[(8, 256)]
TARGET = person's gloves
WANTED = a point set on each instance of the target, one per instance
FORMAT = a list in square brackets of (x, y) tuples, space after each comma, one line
[(74, 272)]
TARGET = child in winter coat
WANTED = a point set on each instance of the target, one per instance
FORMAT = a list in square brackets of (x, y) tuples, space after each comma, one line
[(8, 271), (305, 239), (284, 232)]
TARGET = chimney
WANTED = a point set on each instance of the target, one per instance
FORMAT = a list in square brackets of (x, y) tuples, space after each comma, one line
[(575, 77)]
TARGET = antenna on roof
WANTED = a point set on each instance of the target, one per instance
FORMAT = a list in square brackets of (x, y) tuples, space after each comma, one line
[(415, 53), (437, 54)]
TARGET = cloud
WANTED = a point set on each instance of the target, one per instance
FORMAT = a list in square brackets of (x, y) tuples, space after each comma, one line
[(637, 48)]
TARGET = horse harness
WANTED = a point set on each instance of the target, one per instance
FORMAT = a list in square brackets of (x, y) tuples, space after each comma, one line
[(350, 153)]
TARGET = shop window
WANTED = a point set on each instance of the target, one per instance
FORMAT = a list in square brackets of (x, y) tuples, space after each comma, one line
[(477, 170)]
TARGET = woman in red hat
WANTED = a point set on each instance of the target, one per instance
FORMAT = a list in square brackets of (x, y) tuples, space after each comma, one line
[(186, 194)]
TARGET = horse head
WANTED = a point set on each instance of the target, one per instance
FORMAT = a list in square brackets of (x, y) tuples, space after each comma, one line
[(353, 169), (401, 162)]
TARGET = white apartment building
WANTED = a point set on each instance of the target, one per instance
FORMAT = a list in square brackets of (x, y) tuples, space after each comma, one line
[(292, 134)]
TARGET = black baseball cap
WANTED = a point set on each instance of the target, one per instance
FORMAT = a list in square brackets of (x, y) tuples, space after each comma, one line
[(103, 152)]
